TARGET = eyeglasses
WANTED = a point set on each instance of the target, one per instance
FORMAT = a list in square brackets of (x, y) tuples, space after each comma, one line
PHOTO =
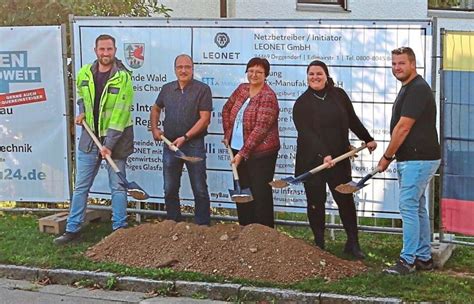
[(256, 72), (185, 67)]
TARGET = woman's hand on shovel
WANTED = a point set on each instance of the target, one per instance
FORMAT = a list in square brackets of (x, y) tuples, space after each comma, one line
[(237, 160), (371, 146), (328, 160)]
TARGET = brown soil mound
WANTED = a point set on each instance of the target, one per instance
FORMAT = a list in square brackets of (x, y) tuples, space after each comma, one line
[(252, 252)]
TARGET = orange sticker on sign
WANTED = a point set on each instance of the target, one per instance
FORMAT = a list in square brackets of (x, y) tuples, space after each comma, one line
[(22, 97)]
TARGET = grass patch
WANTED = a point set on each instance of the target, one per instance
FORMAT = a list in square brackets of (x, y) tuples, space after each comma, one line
[(21, 243)]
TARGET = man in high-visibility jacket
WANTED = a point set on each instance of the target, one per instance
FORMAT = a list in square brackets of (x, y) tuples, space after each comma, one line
[(105, 99)]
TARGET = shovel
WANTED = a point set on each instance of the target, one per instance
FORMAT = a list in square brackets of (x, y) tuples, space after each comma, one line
[(352, 186), (179, 153), (133, 189), (285, 182), (237, 195)]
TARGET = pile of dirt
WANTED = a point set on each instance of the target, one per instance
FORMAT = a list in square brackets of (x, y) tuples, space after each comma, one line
[(252, 252)]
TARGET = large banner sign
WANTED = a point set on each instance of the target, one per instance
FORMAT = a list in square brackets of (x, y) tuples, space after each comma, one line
[(33, 122), (457, 202), (359, 60)]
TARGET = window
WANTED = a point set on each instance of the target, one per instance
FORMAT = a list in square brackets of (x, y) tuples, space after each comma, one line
[(322, 5), (459, 5), (322, 1)]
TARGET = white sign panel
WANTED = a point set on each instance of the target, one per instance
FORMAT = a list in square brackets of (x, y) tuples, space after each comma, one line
[(33, 121), (358, 54)]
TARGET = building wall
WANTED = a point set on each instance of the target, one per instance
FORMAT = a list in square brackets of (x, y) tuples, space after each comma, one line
[(193, 8), (358, 9), (462, 22), (286, 9)]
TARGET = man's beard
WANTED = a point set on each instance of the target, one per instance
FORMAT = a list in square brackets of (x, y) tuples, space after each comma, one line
[(106, 60)]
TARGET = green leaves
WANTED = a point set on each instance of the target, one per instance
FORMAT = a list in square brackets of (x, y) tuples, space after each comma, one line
[(52, 12), (442, 3)]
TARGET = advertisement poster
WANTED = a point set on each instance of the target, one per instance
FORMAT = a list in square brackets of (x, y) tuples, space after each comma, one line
[(358, 54), (33, 122)]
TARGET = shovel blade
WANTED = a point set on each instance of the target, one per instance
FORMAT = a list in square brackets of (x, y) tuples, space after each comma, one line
[(242, 196), (282, 183), (350, 187), (192, 159), (285, 182), (135, 191)]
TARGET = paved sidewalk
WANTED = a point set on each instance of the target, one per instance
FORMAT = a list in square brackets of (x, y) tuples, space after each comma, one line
[(134, 290), (21, 291)]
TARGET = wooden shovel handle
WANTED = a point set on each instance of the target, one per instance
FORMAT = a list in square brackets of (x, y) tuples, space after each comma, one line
[(169, 143), (231, 154), (97, 142), (338, 159)]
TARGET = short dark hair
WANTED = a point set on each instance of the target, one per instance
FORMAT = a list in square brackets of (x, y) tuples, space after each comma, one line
[(104, 37), (405, 50), (261, 62)]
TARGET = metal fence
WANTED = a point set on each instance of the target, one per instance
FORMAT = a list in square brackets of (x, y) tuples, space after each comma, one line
[(457, 137)]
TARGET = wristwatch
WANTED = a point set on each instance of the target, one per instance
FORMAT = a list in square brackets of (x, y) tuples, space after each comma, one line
[(388, 158), (186, 138)]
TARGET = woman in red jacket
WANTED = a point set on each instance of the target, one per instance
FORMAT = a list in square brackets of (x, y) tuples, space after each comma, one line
[(250, 121)]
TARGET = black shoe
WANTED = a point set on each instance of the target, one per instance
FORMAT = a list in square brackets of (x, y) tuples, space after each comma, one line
[(319, 243), (320, 246), (354, 250), (400, 268), (67, 237), (424, 265)]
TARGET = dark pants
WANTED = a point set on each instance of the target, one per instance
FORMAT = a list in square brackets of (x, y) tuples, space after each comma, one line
[(256, 174), (316, 198), (173, 168)]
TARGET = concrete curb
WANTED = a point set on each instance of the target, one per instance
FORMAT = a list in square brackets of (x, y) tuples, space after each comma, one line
[(213, 291), (143, 285)]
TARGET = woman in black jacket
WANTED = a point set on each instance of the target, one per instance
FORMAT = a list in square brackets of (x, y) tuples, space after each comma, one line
[(323, 116)]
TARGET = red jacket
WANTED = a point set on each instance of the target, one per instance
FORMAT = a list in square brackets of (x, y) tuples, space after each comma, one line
[(260, 120)]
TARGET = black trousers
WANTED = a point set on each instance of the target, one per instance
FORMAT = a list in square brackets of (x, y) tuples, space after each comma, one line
[(256, 174), (316, 199)]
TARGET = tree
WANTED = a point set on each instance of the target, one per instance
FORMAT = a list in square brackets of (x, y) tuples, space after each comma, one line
[(51, 12)]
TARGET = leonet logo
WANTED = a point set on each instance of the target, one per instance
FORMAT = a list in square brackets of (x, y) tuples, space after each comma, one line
[(14, 69), (221, 40), (134, 54)]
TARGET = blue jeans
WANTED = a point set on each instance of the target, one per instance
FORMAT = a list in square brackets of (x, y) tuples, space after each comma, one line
[(173, 169), (87, 166), (413, 178)]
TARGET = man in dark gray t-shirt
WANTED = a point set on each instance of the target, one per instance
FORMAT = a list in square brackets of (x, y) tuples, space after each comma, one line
[(414, 144), (187, 104)]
